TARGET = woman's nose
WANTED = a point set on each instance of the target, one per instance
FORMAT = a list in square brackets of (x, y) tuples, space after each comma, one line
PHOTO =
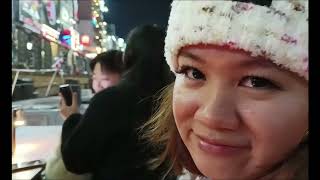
[(217, 109)]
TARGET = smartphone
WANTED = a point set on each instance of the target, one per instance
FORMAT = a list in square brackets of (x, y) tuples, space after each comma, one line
[(66, 92)]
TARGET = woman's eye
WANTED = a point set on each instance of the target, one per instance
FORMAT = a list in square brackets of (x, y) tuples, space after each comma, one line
[(192, 73), (258, 82)]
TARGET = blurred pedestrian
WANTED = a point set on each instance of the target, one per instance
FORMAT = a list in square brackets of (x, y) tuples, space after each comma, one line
[(105, 140), (106, 70)]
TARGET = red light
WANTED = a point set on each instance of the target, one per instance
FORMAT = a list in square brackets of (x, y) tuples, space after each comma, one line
[(66, 32), (85, 40)]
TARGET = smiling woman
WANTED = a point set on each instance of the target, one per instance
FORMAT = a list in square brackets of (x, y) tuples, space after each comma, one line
[(224, 112), (239, 106)]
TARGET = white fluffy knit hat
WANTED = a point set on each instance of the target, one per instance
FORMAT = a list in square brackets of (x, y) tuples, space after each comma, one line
[(278, 32)]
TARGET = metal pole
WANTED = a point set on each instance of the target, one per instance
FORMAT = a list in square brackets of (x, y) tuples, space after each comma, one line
[(51, 82), (61, 75), (15, 81), (13, 131)]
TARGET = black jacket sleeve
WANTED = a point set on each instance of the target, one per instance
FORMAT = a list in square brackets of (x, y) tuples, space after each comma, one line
[(70, 123), (84, 145)]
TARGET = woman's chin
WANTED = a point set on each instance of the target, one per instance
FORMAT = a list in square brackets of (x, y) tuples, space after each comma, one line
[(221, 169)]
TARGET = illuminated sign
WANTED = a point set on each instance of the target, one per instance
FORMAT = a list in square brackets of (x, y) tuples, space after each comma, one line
[(49, 33), (75, 39), (65, 37), (51, 11), (85, 40), (29, 14)]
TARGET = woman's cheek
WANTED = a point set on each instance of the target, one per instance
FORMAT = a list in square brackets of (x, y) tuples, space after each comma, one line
[(184, 106)]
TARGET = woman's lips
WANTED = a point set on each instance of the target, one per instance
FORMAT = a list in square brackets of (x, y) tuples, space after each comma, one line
[(220, 147)]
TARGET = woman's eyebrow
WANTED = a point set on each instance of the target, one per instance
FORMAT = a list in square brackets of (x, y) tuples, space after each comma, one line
[(191, 56), (257, 62), (247, 63)]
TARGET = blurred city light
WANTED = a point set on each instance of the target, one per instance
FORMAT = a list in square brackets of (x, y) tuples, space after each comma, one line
[(98, 50), (91, 55), (113, 38), (19, 122), (121, 42), (29, 46)]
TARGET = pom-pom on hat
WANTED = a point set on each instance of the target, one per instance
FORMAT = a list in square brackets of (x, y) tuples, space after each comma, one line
[(277, 30)]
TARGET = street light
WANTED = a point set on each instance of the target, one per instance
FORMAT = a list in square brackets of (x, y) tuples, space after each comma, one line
[(17, 120)]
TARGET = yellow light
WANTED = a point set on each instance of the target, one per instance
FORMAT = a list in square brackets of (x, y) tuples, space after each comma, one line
[(19, 123), (98, 49), (85, 39)]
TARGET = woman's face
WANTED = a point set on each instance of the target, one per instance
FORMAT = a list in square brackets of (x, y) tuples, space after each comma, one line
[(237, 115), (103, 79)]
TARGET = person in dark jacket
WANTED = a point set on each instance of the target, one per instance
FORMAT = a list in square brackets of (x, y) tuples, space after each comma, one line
[(105, 141), (106, 68)]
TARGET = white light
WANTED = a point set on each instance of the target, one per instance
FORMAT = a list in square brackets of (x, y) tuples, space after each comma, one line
[(97, 26), (104, 32), (19, 123), (98, 49), (104, 49), (104, 9), (104, 40), (104, 23), (29, 45), (97, 37), (58, 21), (43, 53), (91, 55), (113, 38), (120, 42)]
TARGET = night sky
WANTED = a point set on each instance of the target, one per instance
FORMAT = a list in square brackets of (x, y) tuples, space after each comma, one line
[(126, 14)]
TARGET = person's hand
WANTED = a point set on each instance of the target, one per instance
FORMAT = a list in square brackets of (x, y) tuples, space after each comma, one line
[(66, 111)]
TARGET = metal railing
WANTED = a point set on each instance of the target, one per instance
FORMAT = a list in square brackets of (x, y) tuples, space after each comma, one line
[(55, 71)]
